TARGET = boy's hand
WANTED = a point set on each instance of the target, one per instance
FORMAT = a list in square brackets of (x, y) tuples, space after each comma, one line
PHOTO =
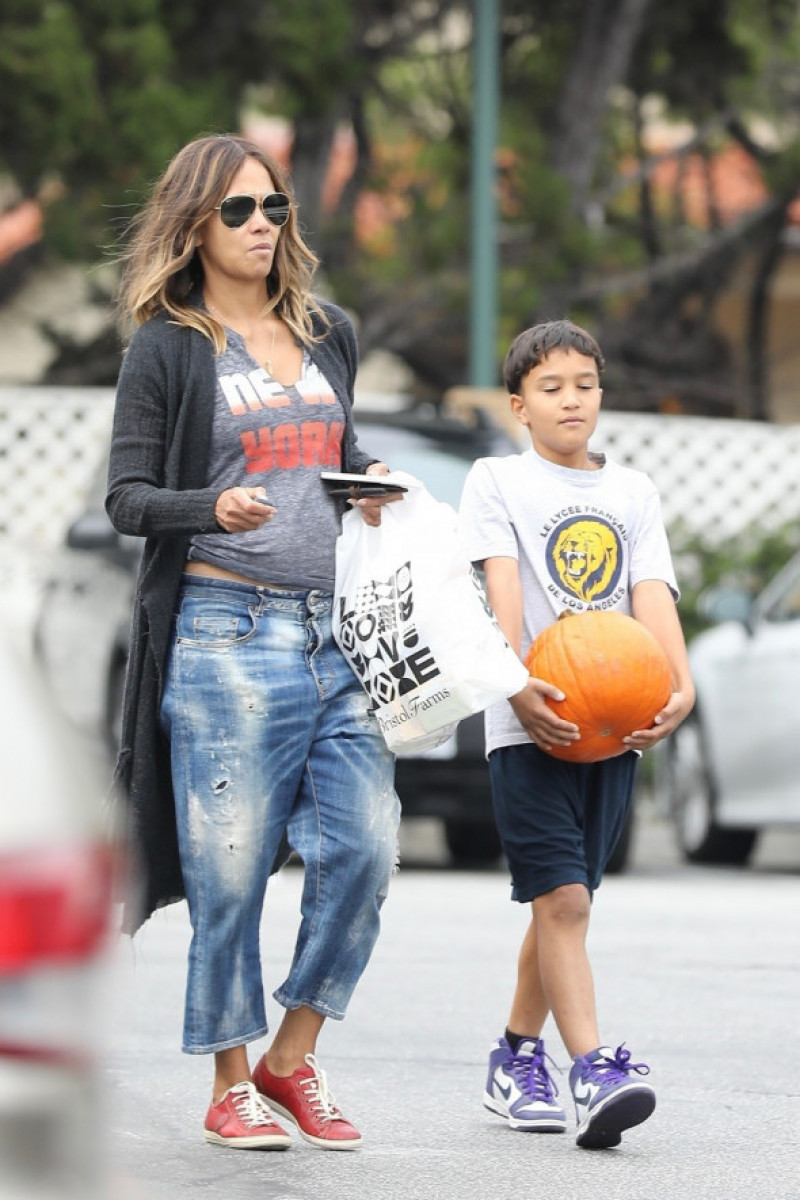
[(538, 720), (677, 708)]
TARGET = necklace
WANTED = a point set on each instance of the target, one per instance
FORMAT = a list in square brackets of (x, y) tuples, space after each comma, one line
[(268, 363), (268, 359)]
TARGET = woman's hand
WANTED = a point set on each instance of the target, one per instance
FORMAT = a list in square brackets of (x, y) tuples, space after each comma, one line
[(371, 508), (240, 509)]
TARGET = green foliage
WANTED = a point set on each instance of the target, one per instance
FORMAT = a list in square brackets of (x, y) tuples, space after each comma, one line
[(89, 111), (420, 169), (43, 61), (782, 173), (96, 96), (748, 562), (692, 51), (314, 43)]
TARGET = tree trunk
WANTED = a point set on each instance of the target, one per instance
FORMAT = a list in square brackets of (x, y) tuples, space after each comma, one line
[(311, 155), (648, 223), (599, 62), (337, 247), (758, 315)]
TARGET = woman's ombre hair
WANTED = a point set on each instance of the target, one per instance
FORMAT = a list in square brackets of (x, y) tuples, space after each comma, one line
[(161, 266)]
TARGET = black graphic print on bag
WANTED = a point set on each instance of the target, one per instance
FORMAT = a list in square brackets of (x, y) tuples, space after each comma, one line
[(380, 639)]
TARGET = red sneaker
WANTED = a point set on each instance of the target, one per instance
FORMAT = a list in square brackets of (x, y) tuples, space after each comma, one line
[(242, 1119), (305, 1099)]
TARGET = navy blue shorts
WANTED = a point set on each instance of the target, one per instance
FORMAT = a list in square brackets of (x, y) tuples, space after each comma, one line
[(558, 821)]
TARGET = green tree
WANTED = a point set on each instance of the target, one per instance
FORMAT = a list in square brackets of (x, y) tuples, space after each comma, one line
[(719, 63), (95, 98), (90, 109)]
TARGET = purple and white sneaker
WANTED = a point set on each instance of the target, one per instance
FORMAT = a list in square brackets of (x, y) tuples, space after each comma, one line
[(520, 1089), (607, 1099)]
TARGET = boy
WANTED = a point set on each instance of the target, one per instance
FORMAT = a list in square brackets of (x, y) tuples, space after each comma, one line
[(557, 529)]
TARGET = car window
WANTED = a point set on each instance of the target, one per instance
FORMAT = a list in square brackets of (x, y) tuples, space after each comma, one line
[(782, 602), (441, 469), (787, 607), (442, 475)]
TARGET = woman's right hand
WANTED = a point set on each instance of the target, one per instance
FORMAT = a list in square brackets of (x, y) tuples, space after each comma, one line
[(240, 509)]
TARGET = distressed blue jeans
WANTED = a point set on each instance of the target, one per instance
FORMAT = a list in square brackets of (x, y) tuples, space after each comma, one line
[(270, 731)]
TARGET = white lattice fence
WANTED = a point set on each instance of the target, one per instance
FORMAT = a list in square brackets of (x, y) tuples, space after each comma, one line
[(51, 443), (716, 477)]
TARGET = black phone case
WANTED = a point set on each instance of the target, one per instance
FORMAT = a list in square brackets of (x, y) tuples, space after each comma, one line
[(361, 487)]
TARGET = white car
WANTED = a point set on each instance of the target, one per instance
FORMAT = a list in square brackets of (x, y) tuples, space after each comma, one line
[(733, 768), (55, 909)]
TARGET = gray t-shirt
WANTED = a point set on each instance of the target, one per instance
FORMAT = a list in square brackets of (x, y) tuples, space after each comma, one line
[(583, 540), (280, 438)]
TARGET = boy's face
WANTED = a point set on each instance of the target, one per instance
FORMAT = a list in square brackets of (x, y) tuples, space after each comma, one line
[(559, 401)]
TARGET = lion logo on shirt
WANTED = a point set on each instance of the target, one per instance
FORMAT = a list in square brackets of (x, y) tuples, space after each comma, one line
[(584, 557)]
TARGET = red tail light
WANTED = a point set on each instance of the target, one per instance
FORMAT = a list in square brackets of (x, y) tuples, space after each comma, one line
[(54, 906)]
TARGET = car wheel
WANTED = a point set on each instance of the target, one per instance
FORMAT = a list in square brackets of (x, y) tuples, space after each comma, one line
[(693, 804), (621, 853), (472, 843)]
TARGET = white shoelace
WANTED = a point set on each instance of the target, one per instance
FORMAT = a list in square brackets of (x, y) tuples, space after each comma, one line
[(250, 1105), (319, 1094)]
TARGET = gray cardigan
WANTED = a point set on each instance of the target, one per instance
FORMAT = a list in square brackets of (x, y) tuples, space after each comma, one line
[(157, 469)]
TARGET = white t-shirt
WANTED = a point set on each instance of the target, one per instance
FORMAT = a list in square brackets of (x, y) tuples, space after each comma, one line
[(583, 540)]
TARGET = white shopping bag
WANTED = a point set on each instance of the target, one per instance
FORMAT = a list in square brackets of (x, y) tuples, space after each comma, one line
[(411, 617)]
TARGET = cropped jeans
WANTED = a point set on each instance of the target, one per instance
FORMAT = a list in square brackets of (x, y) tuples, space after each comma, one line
[(271, 732)]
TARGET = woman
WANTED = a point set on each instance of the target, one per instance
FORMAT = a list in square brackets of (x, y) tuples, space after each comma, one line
[(243, 724)]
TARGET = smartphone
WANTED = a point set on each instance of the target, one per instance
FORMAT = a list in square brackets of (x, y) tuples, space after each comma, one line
[(359, 487)]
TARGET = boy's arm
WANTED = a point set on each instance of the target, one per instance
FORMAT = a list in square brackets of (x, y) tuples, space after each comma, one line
[(504, 592), (654, 606)]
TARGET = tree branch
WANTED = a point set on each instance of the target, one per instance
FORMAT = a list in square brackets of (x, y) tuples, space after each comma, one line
[(741, 134), (684, 263), (606, 36), (651, 164)]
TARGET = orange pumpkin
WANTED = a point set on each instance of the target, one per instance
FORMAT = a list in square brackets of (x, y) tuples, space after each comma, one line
[(614, 675)]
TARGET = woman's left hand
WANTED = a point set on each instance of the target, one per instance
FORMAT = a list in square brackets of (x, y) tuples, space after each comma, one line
[(371, 508)]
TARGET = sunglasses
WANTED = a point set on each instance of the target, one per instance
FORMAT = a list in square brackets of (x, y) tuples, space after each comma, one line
[(236, 210)]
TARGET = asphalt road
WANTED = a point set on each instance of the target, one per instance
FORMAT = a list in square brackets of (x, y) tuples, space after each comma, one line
[(696, 970)]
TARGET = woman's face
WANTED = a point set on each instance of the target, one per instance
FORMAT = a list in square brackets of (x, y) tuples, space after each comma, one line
[(244, 254)]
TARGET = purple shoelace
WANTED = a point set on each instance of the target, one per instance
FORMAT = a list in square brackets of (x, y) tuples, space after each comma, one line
[(532, 1075), (618, 1067)]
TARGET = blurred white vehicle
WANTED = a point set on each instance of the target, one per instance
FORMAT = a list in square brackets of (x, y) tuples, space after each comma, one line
[(733, 768), (55, 887)]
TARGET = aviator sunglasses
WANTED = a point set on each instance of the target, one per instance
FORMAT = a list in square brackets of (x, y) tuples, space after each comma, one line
[(236, 210)]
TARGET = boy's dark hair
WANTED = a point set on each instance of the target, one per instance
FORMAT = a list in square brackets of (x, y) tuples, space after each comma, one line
[(533, 345)]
